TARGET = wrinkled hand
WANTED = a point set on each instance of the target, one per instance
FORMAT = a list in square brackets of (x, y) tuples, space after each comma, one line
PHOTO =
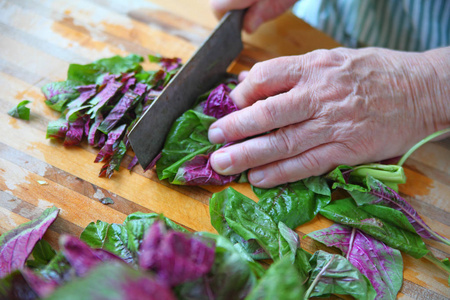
[(307, 114), (259, 11)]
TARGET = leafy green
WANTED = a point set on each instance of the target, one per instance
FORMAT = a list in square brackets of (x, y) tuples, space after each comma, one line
[(113, 281), (382, 265), (346, 212), (334, 274), (42, 254), (232, 276), (20, 111), (217, 207), (59, 94), (281, 281), (187, 138), (88, 74), (294, 203), (17, 244)]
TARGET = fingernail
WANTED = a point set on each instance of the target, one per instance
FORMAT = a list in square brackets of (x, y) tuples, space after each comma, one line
[(221, 161), (256, 176), (216, 136)]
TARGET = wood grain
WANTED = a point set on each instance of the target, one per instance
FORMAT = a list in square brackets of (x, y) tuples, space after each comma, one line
[(39, 39)]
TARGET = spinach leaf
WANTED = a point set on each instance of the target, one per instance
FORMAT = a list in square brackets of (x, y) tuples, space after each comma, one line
[(281, 281), (20, 111), (333, 274), (17, 244), (294, 203), (346, 212), (218, 205), (42, 254), (88, 74), (382, 265)]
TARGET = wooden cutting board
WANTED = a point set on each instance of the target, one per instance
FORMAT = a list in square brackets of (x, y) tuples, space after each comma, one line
[(40, 38)]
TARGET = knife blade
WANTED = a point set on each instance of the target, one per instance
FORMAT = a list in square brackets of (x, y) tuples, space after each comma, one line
[(202, 71)]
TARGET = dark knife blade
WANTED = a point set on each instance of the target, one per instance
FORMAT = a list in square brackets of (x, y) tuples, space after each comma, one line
[(205, 69)]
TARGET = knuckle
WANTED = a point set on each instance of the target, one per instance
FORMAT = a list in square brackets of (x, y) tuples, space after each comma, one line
[(280, 174), (281, 142), (310, 163), (258, 74), (268, 113)]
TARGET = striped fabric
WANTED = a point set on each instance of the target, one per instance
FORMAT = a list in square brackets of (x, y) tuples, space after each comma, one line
[(410, 25)]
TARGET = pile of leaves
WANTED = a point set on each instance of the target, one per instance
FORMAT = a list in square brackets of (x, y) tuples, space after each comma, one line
[(100, 102)]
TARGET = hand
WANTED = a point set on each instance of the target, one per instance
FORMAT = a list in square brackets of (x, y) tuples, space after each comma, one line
[(259, 11), (331, 107)]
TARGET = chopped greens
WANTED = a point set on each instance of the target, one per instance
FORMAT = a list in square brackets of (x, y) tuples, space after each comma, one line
[(20, 111)]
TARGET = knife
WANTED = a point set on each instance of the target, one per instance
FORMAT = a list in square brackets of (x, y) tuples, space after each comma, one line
[(205, 69)]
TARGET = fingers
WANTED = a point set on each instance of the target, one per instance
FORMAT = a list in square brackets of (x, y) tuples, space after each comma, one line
[(263, 11), (263, 116), (266, 79), (220, 7), (313, 162), (281, 144)]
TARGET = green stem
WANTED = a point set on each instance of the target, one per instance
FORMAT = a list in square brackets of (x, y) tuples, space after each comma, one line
[(437, 262), (425, 140), (384, 173), (314, 283)]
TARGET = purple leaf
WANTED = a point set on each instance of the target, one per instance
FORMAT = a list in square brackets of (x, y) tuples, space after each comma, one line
[(129, 81), (219, 103), (175, 256), (17, 244), (82, 257), (382, 195), (132, 163), (107, 150), (86, 92), (153, 162), (104, 95), (114, 281), (198, 171), (75, 133), (121, 107), (382, 265), (42, 286), (93, 129)]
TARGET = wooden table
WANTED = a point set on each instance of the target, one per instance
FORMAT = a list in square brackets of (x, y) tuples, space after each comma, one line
[(40, 38)]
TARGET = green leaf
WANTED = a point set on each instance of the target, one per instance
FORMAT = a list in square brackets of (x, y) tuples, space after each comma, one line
[(20, 111), (88, 74), (95, 234), (346, 212), (116, 241), (42, 254), (187, 138), (294, 203), (58, 269), (333, 274), (248, 220), (281, 281), (218, 204)]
